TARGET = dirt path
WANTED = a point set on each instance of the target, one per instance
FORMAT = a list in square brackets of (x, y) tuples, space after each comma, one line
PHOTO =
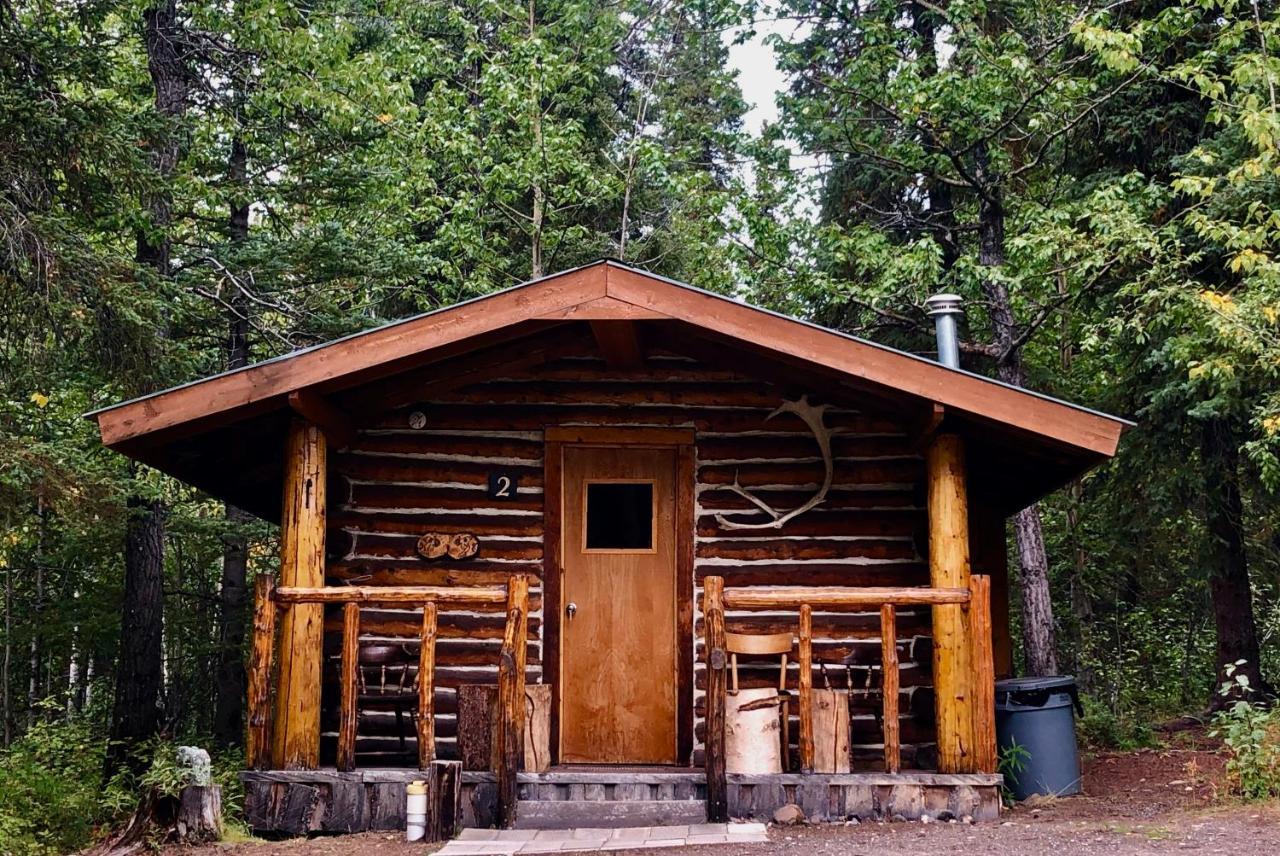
[(1148, 802)]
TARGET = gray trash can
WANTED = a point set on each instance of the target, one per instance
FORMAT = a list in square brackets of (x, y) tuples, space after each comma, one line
[(1036, 714)]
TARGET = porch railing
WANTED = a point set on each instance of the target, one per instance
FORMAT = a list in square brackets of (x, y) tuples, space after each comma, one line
[(979, 695), (509, 733)]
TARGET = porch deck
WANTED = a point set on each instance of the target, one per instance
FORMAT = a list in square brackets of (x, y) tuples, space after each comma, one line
[(293, 802)]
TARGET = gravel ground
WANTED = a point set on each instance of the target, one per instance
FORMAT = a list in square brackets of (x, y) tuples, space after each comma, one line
[(1148, 802)]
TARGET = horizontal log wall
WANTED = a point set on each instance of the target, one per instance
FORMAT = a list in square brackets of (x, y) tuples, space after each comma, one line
[(397, 482)]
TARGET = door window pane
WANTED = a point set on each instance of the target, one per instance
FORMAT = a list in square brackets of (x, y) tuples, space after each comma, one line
[(619, 516)]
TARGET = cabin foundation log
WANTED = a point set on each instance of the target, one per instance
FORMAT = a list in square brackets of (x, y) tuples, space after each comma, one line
[(949, 567)]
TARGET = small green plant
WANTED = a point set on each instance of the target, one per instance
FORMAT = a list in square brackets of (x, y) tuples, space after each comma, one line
[(1013, 760), (1251, 733), (1100, 728)]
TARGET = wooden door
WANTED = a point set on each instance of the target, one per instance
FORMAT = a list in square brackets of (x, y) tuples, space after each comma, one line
[(618, 640)]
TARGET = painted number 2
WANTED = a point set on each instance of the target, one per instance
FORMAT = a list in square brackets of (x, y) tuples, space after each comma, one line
[(503, 485)]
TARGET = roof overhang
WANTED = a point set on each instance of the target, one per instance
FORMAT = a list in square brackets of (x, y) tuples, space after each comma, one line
[(1052, 441)]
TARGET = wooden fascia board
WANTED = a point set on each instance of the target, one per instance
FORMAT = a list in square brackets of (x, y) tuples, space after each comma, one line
[(362, 352), (952, 389)]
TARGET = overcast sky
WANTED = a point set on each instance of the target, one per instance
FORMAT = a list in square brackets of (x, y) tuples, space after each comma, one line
[(758, 76)]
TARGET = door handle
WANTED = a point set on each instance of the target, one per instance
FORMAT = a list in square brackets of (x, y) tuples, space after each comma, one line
[(571, 610)]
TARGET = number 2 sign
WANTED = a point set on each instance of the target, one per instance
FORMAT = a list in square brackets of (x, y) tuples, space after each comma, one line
[(503, 484)]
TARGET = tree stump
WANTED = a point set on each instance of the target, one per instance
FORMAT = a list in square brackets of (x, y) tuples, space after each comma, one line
[(831, 731), (444, 800), (477, 719), (753, 732), (200, 814)]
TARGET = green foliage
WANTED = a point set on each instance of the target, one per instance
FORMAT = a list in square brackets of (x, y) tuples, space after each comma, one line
[(51, 796), (1102, 728), (1251, 733)]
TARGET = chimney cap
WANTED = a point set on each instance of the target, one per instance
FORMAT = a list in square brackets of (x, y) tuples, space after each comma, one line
[(945, 304)]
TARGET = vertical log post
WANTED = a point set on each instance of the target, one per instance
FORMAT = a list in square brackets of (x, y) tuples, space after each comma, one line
[(427, 688), (949, 568), (348, 715), (984, 677), (805, 662), (889, 688), (296, 742), (257, 744), (510, 730), (713, 649)]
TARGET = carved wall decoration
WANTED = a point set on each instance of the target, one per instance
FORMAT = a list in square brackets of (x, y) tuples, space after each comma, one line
[(812, 416), (437, 545)]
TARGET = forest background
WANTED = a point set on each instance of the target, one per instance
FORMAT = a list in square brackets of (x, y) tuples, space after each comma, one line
[(187, 187)]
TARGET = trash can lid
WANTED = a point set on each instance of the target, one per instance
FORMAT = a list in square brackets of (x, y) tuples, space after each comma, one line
[(1053, 682)]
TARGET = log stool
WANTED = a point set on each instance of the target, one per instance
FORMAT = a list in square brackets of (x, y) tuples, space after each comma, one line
[(744, 721)]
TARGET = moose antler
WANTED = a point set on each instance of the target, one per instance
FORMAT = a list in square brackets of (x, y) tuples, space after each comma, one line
[(812, 416)]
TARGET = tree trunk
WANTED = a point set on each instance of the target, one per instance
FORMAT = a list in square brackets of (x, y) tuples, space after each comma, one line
[(135, 715), (1228, 563), (539, 194), (139, 674), (1038, 643), (228, 723)]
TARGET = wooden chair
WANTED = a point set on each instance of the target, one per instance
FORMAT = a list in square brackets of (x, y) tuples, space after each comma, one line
[(388, 680), (763, 645)]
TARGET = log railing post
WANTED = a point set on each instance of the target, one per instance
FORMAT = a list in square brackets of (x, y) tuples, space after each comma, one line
[(296, 739), (258, 737), (984, 676), (889, 687), (427, 688), (510, 721), (348, 714), (805, 662), (713, 649), (949, 568)]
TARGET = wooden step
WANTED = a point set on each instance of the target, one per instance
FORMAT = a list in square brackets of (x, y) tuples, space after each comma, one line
[(608, 814)]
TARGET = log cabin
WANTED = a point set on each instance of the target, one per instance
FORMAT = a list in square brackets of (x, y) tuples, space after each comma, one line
[(589, 483)]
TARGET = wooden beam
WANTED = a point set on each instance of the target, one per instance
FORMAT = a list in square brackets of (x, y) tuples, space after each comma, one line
[(889, 688), (427, 688), (257, 744), (608, 435), (412, 595), (296, 742), (510, 731), (926, 425), (619, 342), (805, 662), (440, 378), (793, 597), (949, 567), (322, 413), (348, 711), (984, 676), (714, 650), (724, 353)]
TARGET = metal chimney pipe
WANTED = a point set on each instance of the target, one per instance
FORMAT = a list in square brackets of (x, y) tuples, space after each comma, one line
[(944, 308)]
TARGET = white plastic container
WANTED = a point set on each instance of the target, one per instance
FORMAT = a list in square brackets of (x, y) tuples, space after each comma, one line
[(415, 811)]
